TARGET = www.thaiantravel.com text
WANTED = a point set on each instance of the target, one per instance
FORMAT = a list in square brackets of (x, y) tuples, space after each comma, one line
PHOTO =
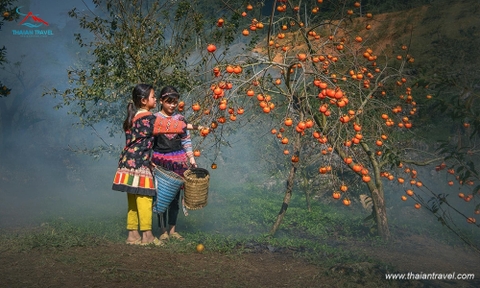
[(430, 276)]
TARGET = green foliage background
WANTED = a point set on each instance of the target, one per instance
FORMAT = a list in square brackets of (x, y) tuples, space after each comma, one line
[(7, 10)]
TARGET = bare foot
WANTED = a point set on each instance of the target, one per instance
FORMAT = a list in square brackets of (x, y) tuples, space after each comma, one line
[(147, 237), (133, 237)]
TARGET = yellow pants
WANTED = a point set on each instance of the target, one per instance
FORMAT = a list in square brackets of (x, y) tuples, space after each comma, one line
[(139, 211)]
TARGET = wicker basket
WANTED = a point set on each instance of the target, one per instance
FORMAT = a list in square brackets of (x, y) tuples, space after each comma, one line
[(167, 184), (196, 188)]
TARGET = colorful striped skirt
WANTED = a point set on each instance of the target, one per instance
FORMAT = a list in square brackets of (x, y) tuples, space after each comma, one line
[(134, 181), (173, 161)]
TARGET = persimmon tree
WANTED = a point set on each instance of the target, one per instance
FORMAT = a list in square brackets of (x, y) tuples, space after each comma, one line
[(336, 97), (325, 84)]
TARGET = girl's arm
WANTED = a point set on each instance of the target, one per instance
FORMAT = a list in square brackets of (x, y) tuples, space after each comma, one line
[(187, 142), (187, 146), (167, 126)]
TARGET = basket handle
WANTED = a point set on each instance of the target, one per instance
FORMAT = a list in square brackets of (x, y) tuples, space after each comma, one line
[(159, 167)]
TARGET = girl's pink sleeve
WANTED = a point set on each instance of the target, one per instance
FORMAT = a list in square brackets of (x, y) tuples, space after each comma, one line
[(168, 126)]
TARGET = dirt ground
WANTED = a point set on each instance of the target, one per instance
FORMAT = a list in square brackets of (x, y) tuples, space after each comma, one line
[(120, 265)]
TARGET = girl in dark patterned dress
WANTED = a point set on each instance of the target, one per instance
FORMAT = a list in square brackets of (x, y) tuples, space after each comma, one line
[(134, 174), (172, 152)]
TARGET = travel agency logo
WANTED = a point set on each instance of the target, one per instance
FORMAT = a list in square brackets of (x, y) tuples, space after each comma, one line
[(32, 25)]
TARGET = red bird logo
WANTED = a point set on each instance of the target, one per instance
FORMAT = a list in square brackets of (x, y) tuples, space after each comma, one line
[(34, 18)]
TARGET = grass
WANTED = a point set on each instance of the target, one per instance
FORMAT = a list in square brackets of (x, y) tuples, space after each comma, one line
[(61, 234), (236, 221), (238, 225)]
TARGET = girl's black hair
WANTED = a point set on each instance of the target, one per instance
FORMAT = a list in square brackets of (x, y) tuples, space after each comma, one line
[(141, 91), (169, 92)]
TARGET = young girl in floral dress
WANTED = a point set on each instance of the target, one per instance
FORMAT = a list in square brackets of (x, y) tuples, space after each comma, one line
[(134, 174)]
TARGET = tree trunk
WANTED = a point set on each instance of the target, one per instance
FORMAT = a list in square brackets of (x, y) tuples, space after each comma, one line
[(375, 187), (286, 200), (289, 190), (380, 213), (307, 193), (378, 197)]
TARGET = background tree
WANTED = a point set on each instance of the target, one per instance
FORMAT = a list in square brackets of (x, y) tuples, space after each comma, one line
[(130, 42), (8, 14), (451, 108)]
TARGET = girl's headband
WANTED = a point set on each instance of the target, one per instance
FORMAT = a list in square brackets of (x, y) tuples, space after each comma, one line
[(171, 94)]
